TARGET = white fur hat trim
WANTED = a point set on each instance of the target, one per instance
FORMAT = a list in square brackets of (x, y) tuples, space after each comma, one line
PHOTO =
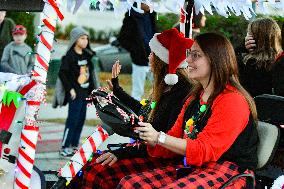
[(171, 79)]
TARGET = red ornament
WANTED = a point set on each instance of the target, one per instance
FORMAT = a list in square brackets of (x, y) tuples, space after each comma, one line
[(141, 118), (190, 128), (7, 150)]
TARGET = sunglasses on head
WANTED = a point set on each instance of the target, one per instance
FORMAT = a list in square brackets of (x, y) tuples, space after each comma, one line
[(18, 29)]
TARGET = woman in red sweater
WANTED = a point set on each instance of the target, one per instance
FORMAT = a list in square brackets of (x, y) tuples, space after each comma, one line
[(215, 131)]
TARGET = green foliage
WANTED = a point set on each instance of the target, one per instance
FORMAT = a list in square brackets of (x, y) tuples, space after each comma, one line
[(26, 20), (59, 33), (100, 36), (68, 29), (279, 20), (92, 34), (96, 36), (166, 21), (233, 27)]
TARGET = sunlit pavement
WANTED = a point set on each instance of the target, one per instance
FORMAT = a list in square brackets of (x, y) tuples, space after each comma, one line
[(48, 146)]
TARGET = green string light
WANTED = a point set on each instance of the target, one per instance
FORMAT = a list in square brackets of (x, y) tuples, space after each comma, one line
[(153, 105), (93, 2)]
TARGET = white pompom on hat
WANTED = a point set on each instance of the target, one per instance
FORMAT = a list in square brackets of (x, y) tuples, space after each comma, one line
[(170, 46)]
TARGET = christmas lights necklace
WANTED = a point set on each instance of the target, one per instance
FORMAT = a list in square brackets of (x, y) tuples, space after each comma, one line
[(190, 129), (147, 106)]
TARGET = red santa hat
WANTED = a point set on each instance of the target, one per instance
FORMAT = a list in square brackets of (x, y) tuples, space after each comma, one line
[(170, 46)]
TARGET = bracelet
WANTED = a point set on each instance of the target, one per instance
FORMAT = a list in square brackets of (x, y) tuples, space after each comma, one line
[(162, 138)]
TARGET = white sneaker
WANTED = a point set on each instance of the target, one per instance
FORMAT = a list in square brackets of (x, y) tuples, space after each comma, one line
[(66, 152)]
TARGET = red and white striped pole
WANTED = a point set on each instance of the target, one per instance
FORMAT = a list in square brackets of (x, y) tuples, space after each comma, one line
[(182, 21), (36, 95), (82, 156), (25, 160)]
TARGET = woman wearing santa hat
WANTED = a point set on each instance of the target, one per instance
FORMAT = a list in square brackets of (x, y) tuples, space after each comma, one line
[(170, 88), (215, 131)]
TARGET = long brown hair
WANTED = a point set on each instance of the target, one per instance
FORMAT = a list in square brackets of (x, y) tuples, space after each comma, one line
[(160, 69), (267, 35), (224, 69)]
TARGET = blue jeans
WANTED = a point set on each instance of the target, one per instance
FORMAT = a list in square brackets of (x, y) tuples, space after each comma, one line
[(74, 123)]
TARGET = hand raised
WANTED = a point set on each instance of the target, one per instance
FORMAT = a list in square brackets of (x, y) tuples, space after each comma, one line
[(250, 43), (116, 69)]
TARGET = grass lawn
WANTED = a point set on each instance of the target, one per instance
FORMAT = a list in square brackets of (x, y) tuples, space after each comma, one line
[(125, 82)]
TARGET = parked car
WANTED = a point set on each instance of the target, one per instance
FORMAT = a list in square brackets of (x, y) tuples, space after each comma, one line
[(107, 54)]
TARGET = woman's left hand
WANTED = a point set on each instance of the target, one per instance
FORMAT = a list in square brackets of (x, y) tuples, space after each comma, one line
[(148, 133)]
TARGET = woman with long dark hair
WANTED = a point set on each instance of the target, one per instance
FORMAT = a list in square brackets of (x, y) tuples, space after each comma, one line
[(215, 131), (262, 68)]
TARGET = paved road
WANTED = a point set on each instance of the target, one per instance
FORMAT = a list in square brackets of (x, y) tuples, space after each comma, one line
[(47, 112), (47, 153)]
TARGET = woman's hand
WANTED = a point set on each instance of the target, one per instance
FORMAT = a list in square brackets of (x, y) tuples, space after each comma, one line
[(250, 43), (107, 158), (148, 133), (116, 69), (110, 85), (114, 74)]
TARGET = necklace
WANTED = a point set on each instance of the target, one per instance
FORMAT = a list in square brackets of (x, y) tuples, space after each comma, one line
[(190, 130), (145, 102), (147, 106)]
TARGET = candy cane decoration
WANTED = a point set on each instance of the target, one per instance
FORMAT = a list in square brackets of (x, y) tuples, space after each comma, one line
[(50, 14), (182, 21), (190, 24), (26, 156), (36, 95), (82, 156), (28, 138)]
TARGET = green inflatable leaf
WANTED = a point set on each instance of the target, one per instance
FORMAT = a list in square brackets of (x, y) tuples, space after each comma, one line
[(10, 96)]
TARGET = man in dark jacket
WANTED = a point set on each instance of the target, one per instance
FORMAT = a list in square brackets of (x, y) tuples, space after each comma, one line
[(134, 36), (6, 26)]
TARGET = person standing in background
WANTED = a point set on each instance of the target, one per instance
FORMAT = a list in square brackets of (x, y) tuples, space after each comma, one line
[(16, 56), (6, 26), (76, 74), (136, 31), (261, 69), (199, 21)]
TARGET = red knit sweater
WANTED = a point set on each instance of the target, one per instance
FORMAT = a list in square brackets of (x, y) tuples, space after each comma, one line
[(230, 115)]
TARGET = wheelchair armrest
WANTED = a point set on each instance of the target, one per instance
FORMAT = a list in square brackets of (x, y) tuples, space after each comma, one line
[(249, 184)]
